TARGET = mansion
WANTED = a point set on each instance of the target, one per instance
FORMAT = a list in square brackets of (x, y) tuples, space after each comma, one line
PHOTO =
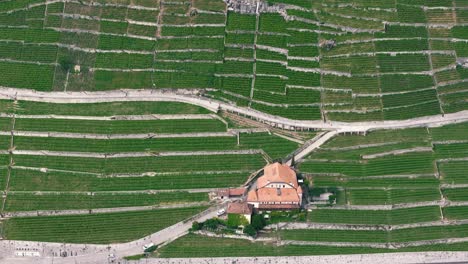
[(277, 189)]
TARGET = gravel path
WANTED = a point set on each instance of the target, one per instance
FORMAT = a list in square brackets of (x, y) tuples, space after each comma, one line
[(130, 154), (387, 258), (189, 96), (101, 210)]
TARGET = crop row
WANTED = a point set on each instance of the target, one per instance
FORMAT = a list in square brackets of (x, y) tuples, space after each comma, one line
[(97, 228), (68, 201)]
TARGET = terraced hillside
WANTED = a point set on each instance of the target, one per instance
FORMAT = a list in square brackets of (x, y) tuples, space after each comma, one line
[(307, 60), (396, 190), (142, 164), (120, 119)]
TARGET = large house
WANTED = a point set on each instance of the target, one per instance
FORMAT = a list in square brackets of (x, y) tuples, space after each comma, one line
[(277, 189)]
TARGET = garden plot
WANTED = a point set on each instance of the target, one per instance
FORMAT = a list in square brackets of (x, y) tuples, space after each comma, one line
[(6, 123), (21, 75), (462, 16), (99, 109), (270, 68), (441, 61), (364, 13), (412, 163), (450, 132), (29, 180), (228, 247), (70, 201), (240, 22), (394, 196), (403, 182), (377, 217), (196, 246), (400, 83), (377, 236), (348, 48), (411, 14), (454, 102), (366, 84), (440, 16), (451, 150), (411, 98), (293, 96), (96, 228), (308, 79), (240, 86), (456, 212), (273, 146), (352, 23), (119, 126), (240, 38), (418, 110), (453, 172), (355, 116), (401, 45), (238, 53), (456, 194), (350, 65), (144, 164), (447, 75), (403, 63), (293, 112)]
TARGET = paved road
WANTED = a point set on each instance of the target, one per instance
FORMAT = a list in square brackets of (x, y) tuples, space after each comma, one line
[(189, 96), (387, 258), (99, 254), (316, 142)]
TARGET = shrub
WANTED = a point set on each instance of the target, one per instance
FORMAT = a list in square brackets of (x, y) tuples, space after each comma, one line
[(212, 224), (250, 230), (196, 226), (66, 64), (258, 222), (235, 220)]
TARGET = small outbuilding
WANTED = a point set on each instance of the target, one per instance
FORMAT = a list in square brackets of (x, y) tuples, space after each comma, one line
[(243, 209), (231, 193)]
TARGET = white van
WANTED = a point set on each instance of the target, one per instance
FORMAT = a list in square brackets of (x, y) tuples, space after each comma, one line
[(145, 247), (221, 212)]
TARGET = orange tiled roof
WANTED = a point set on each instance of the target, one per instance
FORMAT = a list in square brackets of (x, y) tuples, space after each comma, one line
[(239, 208), (277, 172), (274, 195), (236, 191)]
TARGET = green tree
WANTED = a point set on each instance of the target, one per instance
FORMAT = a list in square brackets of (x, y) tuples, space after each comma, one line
[(66, 64), (212, 224), (250, 230), (196, 226), (258, 222)]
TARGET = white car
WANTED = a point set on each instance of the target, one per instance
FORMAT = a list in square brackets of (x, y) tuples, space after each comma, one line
[(145, 247), (221, 212)]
